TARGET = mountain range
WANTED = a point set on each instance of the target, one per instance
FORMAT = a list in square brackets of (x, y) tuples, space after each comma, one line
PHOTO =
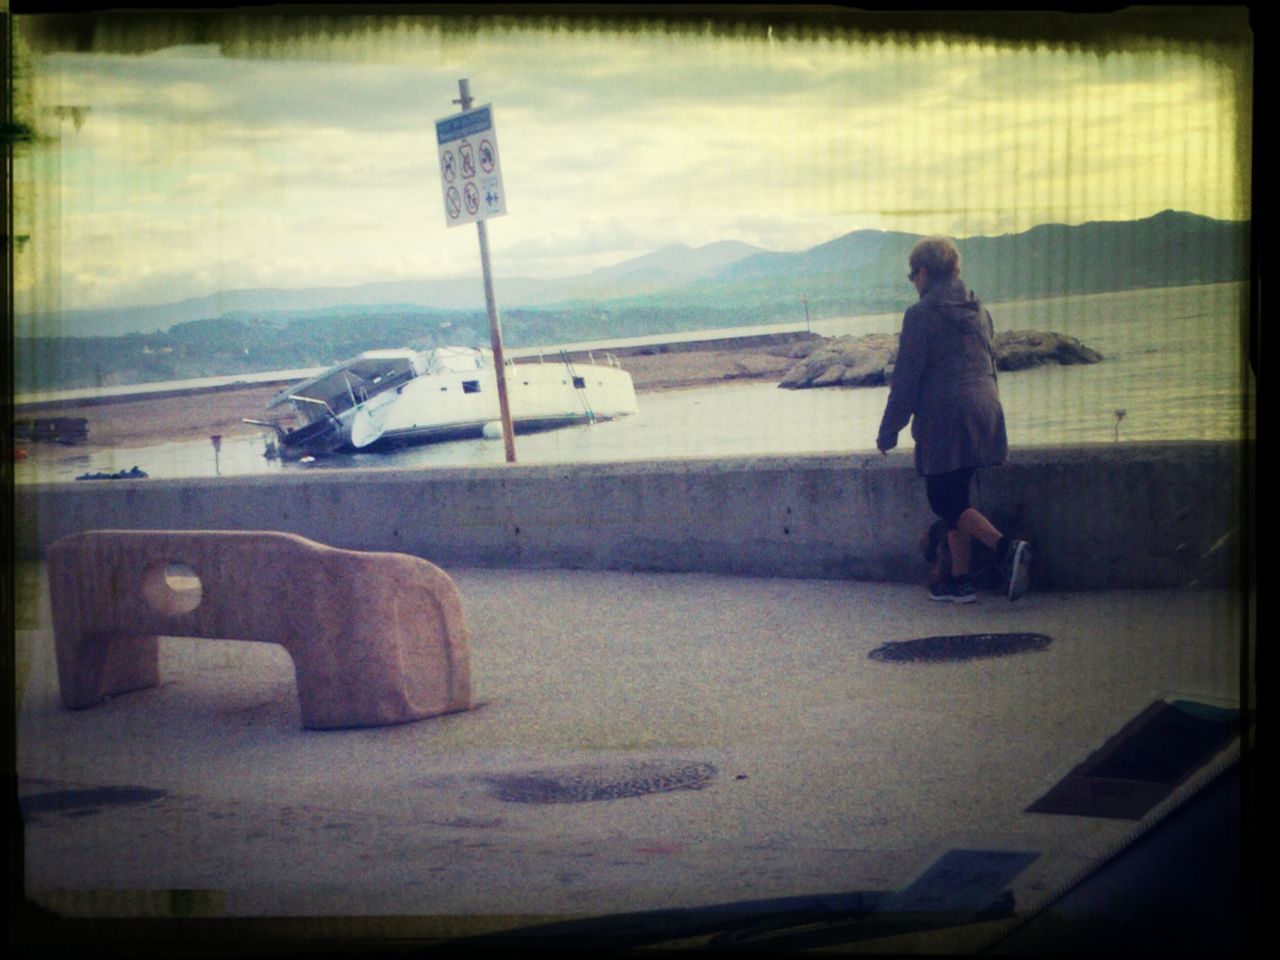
[(676, 288), (652, 273)]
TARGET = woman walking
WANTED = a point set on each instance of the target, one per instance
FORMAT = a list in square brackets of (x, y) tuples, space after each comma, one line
[(944, 382)]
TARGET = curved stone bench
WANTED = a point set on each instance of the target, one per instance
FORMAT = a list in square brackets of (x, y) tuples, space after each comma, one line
[(376, 638)]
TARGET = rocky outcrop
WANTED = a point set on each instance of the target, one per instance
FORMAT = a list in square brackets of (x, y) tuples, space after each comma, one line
[(867, 361), (1019, 349), (863, 361)]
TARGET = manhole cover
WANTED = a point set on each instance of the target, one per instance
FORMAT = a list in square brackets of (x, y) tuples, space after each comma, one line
[(967, 646), (584, 783)]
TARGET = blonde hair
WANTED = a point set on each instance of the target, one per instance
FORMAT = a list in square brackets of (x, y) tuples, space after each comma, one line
[(938, 255)]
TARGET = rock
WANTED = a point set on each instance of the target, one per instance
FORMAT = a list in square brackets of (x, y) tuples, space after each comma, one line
[(1019, 349), (805, 348), (846, 362), (867, 361), (751, 366)]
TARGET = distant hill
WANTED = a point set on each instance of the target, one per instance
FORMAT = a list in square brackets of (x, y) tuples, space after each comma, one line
[(1169, 249), (686, 261), (674, 289), (865, 271), (651, 273)]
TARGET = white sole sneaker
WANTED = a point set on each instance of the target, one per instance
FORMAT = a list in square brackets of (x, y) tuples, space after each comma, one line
[(1018, 564)]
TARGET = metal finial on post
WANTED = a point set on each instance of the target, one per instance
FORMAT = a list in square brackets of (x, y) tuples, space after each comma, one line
[(464, 94)]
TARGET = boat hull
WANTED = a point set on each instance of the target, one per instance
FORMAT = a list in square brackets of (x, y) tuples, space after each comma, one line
[(475, 431), (456, 405)]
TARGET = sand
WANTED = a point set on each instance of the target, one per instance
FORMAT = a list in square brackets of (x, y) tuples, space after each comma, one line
[(199, 415)]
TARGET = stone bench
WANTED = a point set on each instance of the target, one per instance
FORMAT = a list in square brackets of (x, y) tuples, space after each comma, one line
[(376, 638)]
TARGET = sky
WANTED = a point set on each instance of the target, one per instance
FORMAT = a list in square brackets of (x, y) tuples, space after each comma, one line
[(308, 158)]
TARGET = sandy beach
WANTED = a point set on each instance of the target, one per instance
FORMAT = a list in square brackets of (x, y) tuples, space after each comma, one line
[(146, 422)]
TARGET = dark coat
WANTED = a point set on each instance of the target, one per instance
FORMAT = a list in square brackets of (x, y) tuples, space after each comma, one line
[(944, 382)]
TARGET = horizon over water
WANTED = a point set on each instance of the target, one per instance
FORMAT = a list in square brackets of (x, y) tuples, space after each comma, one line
[(1174, 362)]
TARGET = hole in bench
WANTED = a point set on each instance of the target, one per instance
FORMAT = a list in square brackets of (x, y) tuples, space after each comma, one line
[(172, 587)]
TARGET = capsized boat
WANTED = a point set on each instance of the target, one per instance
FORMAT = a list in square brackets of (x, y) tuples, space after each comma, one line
[(386, 398)]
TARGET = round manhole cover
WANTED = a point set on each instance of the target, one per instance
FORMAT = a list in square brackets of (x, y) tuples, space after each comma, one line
[(967, 646), (587, 782)]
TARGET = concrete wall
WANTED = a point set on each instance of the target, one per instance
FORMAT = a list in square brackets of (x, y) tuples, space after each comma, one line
[(1109, 515)]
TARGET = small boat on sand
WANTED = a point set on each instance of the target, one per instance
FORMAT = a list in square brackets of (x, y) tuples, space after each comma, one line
[(387, 398)]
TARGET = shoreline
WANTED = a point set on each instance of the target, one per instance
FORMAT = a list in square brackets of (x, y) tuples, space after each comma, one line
[(145, 421)]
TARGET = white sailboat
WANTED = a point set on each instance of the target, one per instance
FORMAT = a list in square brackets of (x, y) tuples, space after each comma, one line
[(390, 397)]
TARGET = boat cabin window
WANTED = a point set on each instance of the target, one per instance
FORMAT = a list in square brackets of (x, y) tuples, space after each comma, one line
[(579, 383), (470, 386)]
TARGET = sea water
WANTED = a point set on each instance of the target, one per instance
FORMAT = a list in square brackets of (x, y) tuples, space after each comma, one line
[(1175, 368)]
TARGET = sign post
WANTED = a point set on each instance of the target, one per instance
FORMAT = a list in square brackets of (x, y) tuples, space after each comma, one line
[(471, 177)]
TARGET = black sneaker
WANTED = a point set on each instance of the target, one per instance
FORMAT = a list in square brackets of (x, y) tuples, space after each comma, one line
[(1017, 557), (953, 590)]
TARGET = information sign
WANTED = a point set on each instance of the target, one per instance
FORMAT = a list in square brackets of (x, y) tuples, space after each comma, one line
[(470, 173)]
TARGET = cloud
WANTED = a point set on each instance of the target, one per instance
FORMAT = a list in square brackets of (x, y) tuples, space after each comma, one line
[(310, 159)]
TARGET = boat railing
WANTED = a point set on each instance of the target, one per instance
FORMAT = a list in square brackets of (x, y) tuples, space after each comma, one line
[(610, 359), (298, 398), (275, 425)]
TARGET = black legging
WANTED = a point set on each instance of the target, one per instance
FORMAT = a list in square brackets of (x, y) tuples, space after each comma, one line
[(949, 494)]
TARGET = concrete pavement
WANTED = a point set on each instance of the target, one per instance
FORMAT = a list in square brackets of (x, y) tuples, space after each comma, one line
[(833, 772)]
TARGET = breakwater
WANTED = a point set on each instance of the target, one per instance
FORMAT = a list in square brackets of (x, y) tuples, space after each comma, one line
[(1101, 516)]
